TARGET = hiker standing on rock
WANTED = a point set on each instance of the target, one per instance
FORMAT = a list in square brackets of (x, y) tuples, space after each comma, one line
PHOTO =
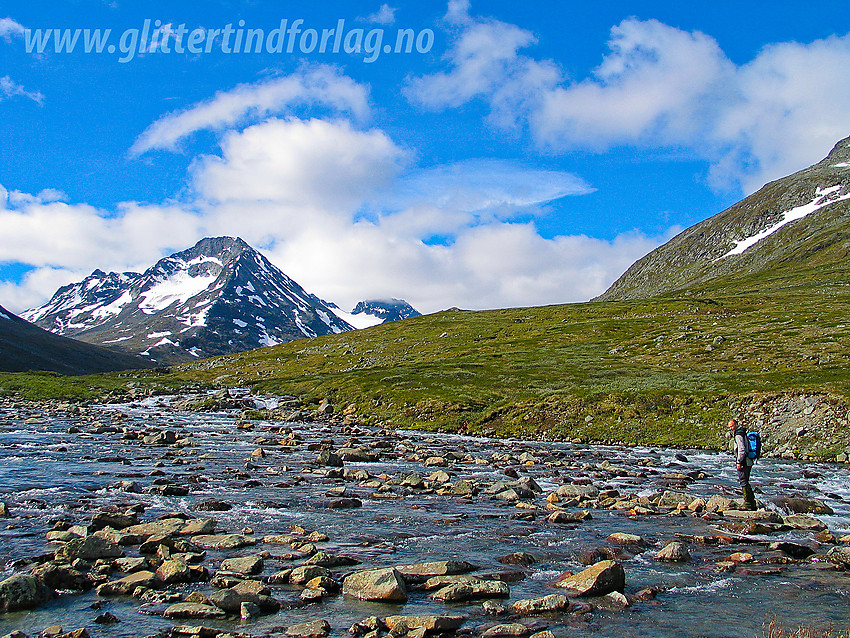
[(743, 463)]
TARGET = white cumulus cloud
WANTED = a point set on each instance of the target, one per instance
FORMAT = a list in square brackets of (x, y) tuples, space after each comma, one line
[(657, 86), (318, 84)]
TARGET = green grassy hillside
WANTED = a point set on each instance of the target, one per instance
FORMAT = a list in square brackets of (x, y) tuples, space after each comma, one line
[(659, 371)]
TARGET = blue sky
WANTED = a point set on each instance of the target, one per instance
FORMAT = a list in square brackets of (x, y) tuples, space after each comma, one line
[(527, 155)]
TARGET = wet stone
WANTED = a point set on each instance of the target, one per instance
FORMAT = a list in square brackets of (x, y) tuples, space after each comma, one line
[(673, 552), (597, 580), (472, 590), (312, 629), (22, 591), (507, 630), (245, 565), (193, 610), (376, 584)]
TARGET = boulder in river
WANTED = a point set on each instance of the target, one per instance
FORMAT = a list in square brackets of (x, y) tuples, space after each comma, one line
[(22, 591), (329, 459), (509, 630), (597, 580), (312, 629), (193, 610), (222, 541), (674, 552), (803, 505), (174, 571), (622, 538), (385, 585), (245, 565), (429, 624), (471, 590), (546, 604), (423, 571), (89, 548)]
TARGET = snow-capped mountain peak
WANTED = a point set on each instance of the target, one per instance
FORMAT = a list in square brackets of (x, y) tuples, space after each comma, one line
[(373, 312), (218, 297)]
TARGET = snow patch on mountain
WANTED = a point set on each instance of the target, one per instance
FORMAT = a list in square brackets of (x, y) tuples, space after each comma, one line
[(823, 197), (360, 320), (109, 310), (180, 286)]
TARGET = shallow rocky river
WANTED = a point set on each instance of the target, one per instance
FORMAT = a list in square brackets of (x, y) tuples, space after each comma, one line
[(479, 530)]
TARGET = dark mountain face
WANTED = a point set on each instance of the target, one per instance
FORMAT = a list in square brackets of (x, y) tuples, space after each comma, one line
[(789, 229), (386, 309), (219, 297), (24, 347)]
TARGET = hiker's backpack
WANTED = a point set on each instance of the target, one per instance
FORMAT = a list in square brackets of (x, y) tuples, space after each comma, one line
[(753, 445)]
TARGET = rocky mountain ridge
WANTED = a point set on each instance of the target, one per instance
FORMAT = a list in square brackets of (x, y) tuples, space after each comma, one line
[(795, 223), (219, 297)]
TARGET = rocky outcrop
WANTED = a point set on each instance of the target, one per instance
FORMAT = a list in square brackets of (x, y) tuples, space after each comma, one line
[(599, 579), (22, 591), (376, 584)]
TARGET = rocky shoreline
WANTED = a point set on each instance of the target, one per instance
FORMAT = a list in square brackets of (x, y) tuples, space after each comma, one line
[(188, 568)]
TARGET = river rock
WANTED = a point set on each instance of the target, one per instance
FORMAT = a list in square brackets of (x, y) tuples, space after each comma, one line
[(312, 629), (245, 565), (376, 584), (212, 506), (327, 458), (89, 548), (107, 618), (127, 585), (801, 521), (305, 573), (130, 564), (518, 558), (174, 571), (532, 606), (464, 488), (597, 580), (113, 520), (4, 510), (719, 503), (62, 577), (673, 499), (515, 629), (621, 538), (802, 505), (794, 550), (673, 552), (839, 556), (324, 559), (430, 624), (472, 590), (22, 591), (345, 503), (755, 515), (573, 491), (193, 610), (163, 527), (421, 572), (223, 541), (613, 601), (196, 526), (562, 518), (230, 600)]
